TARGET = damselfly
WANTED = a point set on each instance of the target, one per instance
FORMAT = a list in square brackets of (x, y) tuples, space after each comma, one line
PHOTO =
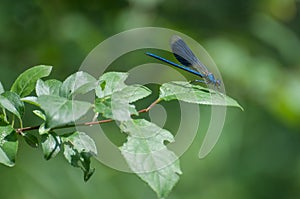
[(189, 61)]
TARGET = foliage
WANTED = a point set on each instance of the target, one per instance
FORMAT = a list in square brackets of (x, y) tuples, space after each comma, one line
[(56, 106)]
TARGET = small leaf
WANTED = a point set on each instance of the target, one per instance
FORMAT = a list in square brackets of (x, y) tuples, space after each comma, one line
[(50, 144), (148, 157), (111, 82), (78, 150), (30, 100), (77, 83), (1, 88), (43, 130), (12, 102), (25, 83), (40, 114), (61, 111), (49, 87), (31, 140), (8, 145), (195, 94)]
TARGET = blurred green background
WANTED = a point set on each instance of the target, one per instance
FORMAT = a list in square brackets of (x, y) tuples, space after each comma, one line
[(256, 45)]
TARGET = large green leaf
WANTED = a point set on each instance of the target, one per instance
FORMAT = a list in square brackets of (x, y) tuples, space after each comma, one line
[(78, 150), (118, 106), (61, 111), (12, 102), (110, 82), (25, 83), (194, 94), (1, 88), (8, 145), (148, 157), (77, 83), (49, 87)]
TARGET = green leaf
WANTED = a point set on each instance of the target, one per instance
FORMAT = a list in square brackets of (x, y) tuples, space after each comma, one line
[(40, 114), (81, 142), (194, 94), (77, 83), (30, 100), (51, 145), (12, 102), (31, 140), (61, 111), (49, 87), (118, 106), (148, 157), (110, 82), (8, 145), (1, 88), (25, 83), (78, 150)]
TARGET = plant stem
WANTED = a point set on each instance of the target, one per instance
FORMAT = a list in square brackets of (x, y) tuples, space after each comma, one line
[(30, 128)]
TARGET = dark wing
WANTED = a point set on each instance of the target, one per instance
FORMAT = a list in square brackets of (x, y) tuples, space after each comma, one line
[(185, 55)]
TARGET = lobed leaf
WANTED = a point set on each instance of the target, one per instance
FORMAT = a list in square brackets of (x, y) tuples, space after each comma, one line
[(148, 157), (26, 82), (8, 145), (49, 87), (109, 83), (195, 94), (77, 83), (60, 111)]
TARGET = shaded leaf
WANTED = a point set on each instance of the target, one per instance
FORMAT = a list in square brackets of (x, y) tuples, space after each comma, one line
[(31, 140), (50, 145), (8, 145), (148, 157), (49, 87), (25, 83), (195, 94), (59, 110), (12, 102), (78, 150), (77, 83)]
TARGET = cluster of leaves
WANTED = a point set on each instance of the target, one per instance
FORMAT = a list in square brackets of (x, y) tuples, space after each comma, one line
[(145, 150)]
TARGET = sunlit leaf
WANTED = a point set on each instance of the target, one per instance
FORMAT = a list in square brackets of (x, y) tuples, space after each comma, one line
[(110, 82), (30, 100), (61, 111), (12, 102), (118, 106), (50, 144), (194, 94), (1, 88), (8, 145), (77, 83), (78, 150), (147, 155), (25, 83), (49, 87)]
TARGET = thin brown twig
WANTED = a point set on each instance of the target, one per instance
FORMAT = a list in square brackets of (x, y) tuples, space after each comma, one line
[(29, 128)]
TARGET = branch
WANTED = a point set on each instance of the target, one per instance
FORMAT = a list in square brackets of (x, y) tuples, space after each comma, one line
[(30, 128)]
